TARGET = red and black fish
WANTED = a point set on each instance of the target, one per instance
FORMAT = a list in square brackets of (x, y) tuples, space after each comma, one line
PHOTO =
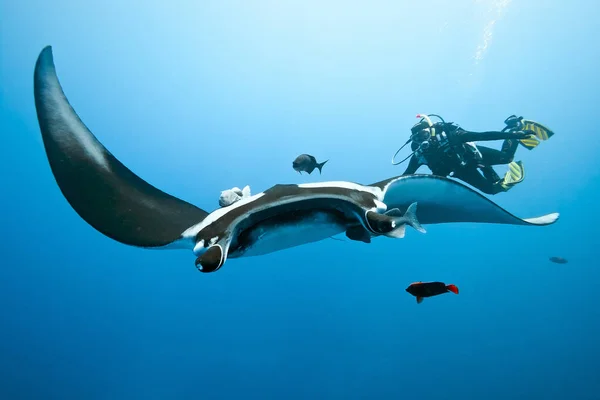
[(427, 289)]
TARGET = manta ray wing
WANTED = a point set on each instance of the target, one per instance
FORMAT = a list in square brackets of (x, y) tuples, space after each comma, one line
[(443, 200), (104, 192)]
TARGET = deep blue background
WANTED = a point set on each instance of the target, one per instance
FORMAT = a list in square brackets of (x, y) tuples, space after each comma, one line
[(199, 98)]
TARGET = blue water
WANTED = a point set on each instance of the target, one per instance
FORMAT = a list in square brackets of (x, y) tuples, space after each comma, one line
[(198, 97)]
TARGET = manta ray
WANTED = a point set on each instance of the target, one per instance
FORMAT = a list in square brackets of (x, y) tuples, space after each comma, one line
[(124, 207)]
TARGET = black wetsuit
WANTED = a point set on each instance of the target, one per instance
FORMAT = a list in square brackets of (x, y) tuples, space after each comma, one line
[(455, 156)]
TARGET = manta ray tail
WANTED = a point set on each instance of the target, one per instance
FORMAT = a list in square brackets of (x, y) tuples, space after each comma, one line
[(103, 191)]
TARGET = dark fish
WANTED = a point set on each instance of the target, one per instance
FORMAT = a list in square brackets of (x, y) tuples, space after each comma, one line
[(559, 260), (428, 289), (307, 163)]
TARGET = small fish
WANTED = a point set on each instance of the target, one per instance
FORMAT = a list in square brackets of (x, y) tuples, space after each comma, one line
[(307, 163), (428, 289), (559, 260)]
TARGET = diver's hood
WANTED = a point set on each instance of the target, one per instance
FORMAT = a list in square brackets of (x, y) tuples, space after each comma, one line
[(419, 126)]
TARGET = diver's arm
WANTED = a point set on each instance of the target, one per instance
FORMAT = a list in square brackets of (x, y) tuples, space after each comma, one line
[(466, 136), (413, 166)]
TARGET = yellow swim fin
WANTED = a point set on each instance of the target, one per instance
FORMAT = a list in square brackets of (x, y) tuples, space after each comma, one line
[(529, 143), (539, 133), (514, 175)]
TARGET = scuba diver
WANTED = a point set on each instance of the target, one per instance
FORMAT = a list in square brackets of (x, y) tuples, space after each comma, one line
[(447, 149)]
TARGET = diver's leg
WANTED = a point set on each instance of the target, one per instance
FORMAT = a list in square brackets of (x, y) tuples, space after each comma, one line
[(475, 179), (491, 156), (509, 148), (489, 173)]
